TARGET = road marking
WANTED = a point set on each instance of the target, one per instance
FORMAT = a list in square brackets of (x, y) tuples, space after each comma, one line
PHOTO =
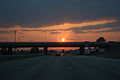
[(69, 67)]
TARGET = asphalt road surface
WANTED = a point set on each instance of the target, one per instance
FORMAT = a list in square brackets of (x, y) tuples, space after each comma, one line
[(61, 68)]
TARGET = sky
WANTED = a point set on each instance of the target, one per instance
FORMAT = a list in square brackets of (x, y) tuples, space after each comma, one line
[(52, 20)]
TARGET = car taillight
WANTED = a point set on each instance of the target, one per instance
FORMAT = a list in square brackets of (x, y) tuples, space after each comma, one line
[(61, 54)]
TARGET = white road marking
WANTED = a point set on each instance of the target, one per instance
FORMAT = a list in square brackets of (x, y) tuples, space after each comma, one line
[(69, 67)]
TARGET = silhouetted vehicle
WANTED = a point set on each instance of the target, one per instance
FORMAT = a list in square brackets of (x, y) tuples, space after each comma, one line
[(57, 53), (62, 54)]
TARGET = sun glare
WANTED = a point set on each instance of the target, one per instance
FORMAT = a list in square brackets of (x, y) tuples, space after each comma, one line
[(63, 39)]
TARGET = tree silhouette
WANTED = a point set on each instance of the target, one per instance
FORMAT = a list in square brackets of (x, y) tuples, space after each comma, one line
[(101, 39)]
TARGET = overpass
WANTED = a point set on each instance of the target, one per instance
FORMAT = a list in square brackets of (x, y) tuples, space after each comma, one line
[(6, 47)]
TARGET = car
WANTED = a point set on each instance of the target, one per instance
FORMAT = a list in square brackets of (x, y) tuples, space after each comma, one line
[(58, 54), (62, 54)]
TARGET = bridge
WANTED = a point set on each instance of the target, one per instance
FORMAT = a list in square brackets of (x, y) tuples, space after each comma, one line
[(7, 47)]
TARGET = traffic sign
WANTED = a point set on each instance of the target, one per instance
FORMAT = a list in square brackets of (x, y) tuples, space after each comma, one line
[(86, 44)]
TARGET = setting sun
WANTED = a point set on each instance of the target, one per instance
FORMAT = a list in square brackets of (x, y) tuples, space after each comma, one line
[(63, 39)]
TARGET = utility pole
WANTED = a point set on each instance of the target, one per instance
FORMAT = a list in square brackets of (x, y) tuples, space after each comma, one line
[(15, 39), (15, 35), (20, 36)]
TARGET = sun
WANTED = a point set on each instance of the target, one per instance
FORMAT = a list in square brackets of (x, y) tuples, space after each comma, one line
[(63, 39)]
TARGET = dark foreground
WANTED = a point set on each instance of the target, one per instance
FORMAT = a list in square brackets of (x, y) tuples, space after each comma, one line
[(61, 68)]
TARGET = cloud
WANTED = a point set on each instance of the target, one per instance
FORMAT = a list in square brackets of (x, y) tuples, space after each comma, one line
[(94, 29), (40, 13), (111, 30), (83, 27), (81, 24), (55, 32), (5, 32), (78, 30), (107, 27)]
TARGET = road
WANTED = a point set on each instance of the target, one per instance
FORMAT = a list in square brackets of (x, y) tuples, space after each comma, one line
[(61, 68)]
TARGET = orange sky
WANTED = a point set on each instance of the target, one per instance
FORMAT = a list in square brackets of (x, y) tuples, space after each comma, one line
[(56, 32)]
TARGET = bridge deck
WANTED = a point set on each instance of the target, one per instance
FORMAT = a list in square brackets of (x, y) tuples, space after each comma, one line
[(53, 44)]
